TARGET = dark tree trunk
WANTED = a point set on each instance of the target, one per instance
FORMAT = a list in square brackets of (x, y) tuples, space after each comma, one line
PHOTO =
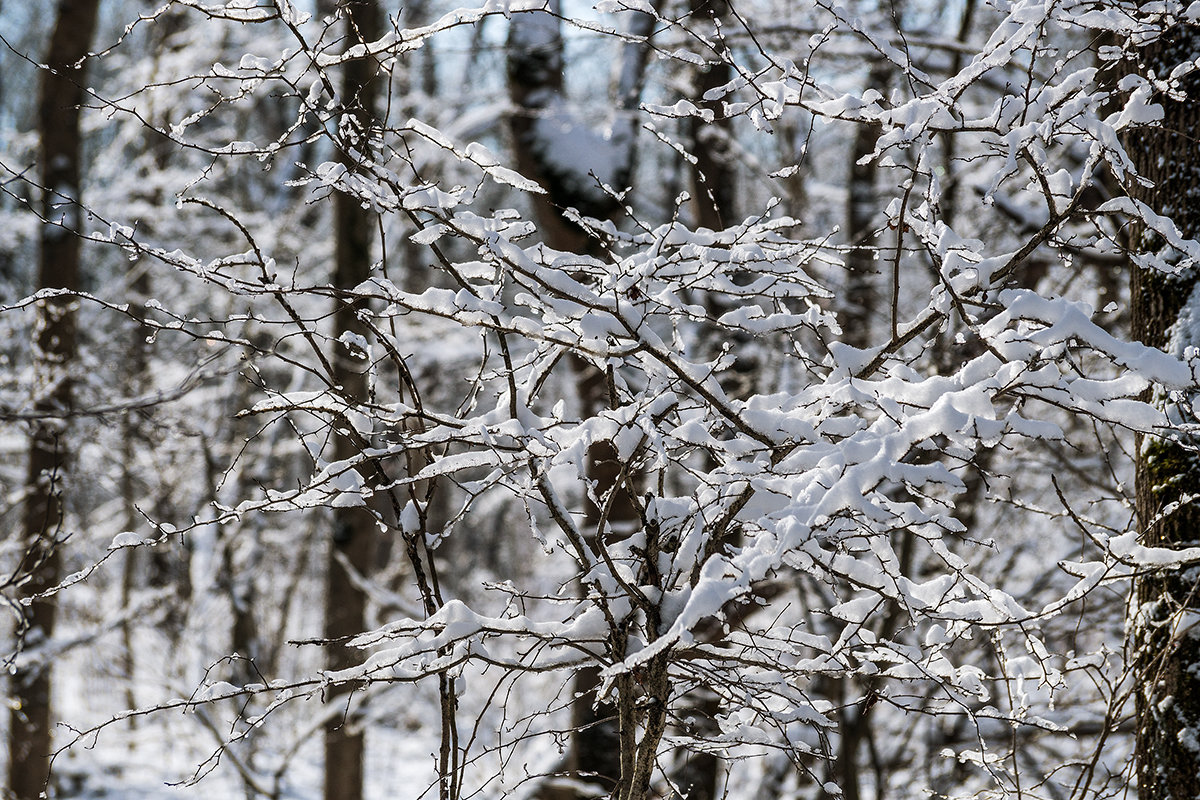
[(60, 95), (713, 173), (353, 541), (1168, 468), (714, 178), (949, 200), (535, 84), (133, 443), (858, 312), (714, 182), (535, 80), (860, 303)]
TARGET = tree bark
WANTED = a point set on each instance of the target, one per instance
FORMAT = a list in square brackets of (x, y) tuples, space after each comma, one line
[(1167, 659), (354, 533), (713, 173), (59, 97), (858, 312), (535, 65), (714, 186), (949, 200), (860, 304), (535, 83)]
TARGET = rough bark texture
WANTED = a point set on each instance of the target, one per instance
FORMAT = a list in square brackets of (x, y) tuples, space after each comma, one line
[(59, 97), (354, 533), (1167, 659)]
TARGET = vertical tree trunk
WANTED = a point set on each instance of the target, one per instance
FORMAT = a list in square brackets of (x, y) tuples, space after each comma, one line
[(860, 304), (713, 173), (858, 311), (353, 540), (1167, 659), (59, 97), (949, 200), (133, 442), (535, 80), (714, 182)]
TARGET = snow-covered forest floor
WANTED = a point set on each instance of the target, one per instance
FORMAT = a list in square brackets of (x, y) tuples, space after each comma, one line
[(544, 399)]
